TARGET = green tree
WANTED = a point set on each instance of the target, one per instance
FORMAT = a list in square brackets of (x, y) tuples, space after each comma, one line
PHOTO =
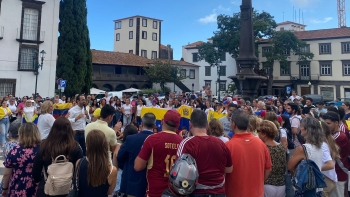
[(284, 44), (74, 55), (163, 72)]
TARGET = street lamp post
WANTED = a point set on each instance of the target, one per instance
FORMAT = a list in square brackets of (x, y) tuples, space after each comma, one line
[(309, 86), (175, 74), (218, 67), (37, 65)]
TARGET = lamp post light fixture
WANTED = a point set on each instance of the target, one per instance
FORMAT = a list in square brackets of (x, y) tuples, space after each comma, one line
[(36, 66), (309, 84)]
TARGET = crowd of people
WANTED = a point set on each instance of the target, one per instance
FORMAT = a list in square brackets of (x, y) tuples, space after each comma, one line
[(108, 149)]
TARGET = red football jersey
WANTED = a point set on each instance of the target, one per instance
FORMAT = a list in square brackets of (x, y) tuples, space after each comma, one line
[(212, 157), (160, 152)]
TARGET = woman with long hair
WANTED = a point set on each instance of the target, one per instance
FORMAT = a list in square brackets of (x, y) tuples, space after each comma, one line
[(18, 176), (5, 115), (13, 107), (280, 110), (281, 136), (274, 186), (20, 107), (126, 110), (216, 129), (198, 103), (311, 130), (60, 141), (254, 124), (97, 177), (102, 102), (45, 120), (330, 176)]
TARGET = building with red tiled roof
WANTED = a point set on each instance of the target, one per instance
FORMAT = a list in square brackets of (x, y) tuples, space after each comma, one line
[(290, 26), (328, 72), (116, 71)]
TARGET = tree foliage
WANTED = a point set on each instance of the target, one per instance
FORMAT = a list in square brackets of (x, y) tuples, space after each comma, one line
[(163, 72), (74, 55), (284, 44)]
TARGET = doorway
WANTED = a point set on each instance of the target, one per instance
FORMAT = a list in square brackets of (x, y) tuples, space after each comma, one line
[(304, 90)]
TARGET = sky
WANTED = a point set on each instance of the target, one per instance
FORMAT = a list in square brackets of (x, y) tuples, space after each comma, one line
[(188, 21)]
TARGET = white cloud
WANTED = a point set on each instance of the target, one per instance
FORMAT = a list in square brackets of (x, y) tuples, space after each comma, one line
[(236, 2), (211, 18), (304, 3), (317, 21), (208, 19)]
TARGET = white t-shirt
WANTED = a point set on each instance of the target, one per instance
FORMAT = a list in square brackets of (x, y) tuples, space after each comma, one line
[(45, 122), (29, 112), (326, 156), (224, 139), (13, 108), (127, 109), (155, 106), (139, 108), (292, 98), (207, 110)]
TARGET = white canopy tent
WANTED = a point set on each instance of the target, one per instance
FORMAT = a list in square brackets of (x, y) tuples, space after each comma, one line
[(96, 91), (131, 90)]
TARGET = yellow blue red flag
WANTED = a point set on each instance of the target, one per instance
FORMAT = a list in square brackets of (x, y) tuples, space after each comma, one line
[(60, 109)]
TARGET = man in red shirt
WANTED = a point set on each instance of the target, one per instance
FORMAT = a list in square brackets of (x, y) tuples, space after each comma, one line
[(159, 154), (250, 158), (212, 157), (332, 120)]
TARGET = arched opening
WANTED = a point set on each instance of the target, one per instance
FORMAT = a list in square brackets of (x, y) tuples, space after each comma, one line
[(94, 86), (120, 87), (145, 86), (134, 86), (107, 87)]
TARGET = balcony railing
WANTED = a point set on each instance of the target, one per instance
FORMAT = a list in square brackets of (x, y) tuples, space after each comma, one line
[(30, 36), (314, 77), (121, 77), (1, 33)]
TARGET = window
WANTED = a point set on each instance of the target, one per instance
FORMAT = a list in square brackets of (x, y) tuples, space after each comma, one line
[(27, 57), (131, 51), (30, 24), (144, 53), (345, 47), (305, 49), (222, 70), (154, 36), (285, 69), (222, 86), (282, 29), (131, 22), (265, 50), (131, 34), (346, 67), (194, 57), (223, 56), (266, 67), (192, 74), (207, 83), (286, 52), (326, 68), (96, 69), (144, 34), (118, 25), (183, 73), (7, 86), (325, 48), (155, 24), (305, 72), (208, 71), (117, 36), (154, 54), (327, 93), (144, 22), (107, 70)]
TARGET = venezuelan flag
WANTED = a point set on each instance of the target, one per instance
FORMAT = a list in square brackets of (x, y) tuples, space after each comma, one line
[(215, 115), (33, 120), (184, 111), (60, 109)]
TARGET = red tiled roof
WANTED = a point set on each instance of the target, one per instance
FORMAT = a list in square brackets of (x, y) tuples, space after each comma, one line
[(323, 33), (163, 46), (289, 22), (117, 58), (128, 59), (193, 45)]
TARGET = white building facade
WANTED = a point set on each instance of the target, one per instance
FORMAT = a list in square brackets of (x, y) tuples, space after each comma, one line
[(138, 35), (208, 75), (328, 72), (27, 27)]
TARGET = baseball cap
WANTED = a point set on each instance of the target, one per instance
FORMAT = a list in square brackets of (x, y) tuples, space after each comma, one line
[(226, 102), (235, 102), (172, 118)]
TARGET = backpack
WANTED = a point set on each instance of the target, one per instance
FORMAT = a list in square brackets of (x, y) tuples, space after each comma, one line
[(301, 139), (58, 180), (278, 137)]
